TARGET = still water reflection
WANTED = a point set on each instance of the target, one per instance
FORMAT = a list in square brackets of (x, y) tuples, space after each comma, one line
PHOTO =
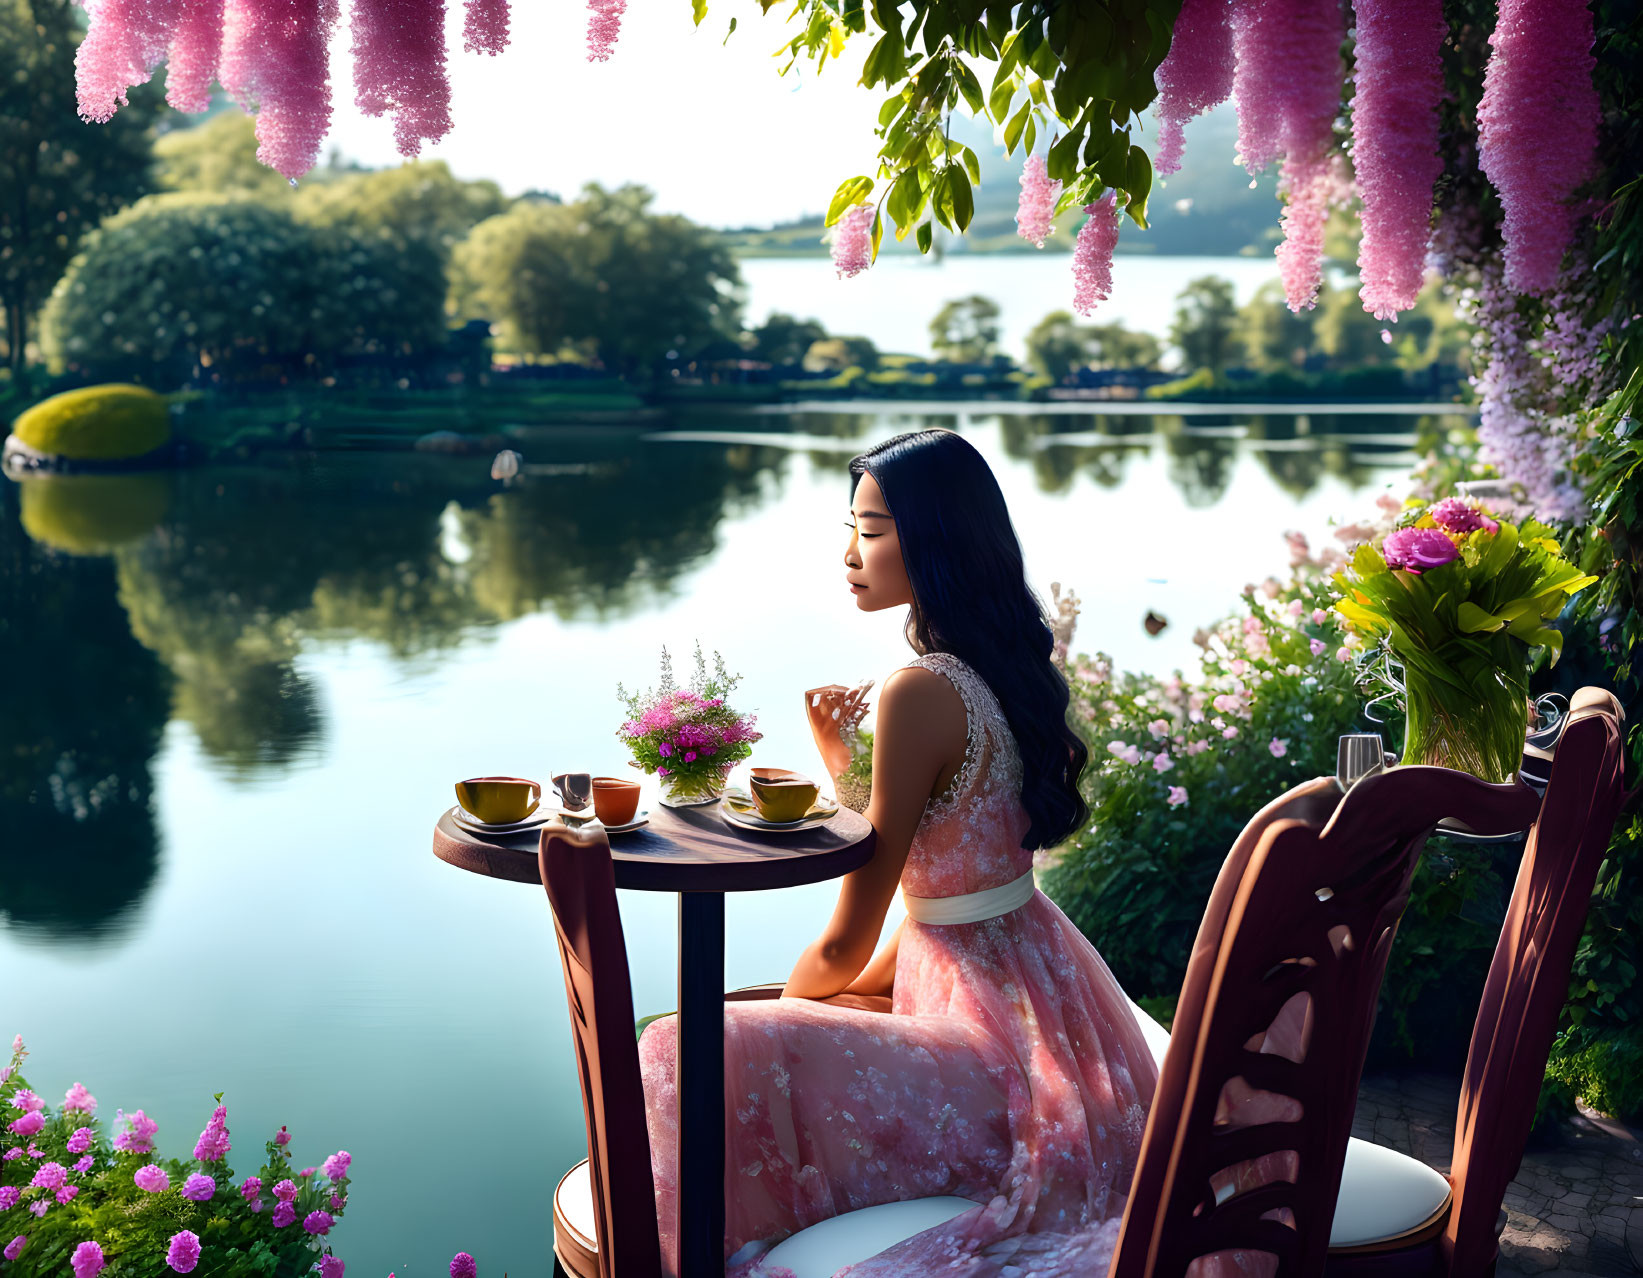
[(236, 698)]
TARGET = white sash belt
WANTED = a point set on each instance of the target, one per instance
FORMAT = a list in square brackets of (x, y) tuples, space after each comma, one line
[(971, 907)]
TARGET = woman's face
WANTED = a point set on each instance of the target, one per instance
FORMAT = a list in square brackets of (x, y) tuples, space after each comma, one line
[(872, 561)]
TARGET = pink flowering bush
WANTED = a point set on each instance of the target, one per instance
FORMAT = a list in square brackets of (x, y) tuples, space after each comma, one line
[(689, 733), (121, 1207)]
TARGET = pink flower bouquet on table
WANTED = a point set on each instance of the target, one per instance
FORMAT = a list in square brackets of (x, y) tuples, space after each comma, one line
[(688, 737), (72, 1198), (1458, 597)]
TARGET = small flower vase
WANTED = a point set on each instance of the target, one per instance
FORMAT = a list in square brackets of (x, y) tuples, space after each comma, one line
[(689, 789), (1467, 712)]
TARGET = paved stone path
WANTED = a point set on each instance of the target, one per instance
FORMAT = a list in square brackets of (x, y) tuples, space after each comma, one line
[(1574, 1209)]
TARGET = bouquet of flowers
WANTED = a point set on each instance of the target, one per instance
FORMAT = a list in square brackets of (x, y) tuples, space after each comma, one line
[(1458, 597), (71, 1199), (687, 736)]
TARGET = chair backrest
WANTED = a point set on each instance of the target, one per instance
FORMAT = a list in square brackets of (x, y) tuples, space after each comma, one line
[(1246, 1138), (581, 887), (1529, 978)]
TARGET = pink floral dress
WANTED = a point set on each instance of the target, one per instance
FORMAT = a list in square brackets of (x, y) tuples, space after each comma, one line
[(1010, 1070)]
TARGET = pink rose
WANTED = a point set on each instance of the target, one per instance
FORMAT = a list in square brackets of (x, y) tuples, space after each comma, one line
[(1418, 549)]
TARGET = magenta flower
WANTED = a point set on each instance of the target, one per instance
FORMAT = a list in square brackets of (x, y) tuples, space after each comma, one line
[(604, 25), (1317, 646), (199, 1187), (399, 64), (1035, 211), (265, 60), (1319, 616), (463, 1266), (332, 1267), (9, 1194), (84, 1165), (307, 1171), (151, 1177), (184, 1252), (283, 1215), (80, 1141), (336, 1166), (1279, 747), (1395, 145), (1195, 75), (1537, 130), (213, 1145), (664, 749), (1177, 795), (853, 241), (28, 1123), (317, 1222), (1162, 763), (1454, 515), (50, 1176), (87, 1260), (1417, 549), (15, 1247), (38, 1207), (251, 1188), (13, 1152), (1092, 254), (282, 1137), (27, 1101), (485, 26), (285, 1190), (138, 1136), (66, 1193), (339, 1201), (78, 1097)]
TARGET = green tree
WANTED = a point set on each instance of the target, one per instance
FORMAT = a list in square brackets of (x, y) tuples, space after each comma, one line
[(59, 176), (836, 354), (1350, 335), (782, 339), (1204, 324), (417, 198), (1057, 345), (1274, 336), (1114, 346), (965, 330), (188, 277), (603, 275)]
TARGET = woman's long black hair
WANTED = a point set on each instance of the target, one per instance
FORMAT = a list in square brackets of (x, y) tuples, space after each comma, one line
[(971, 599)]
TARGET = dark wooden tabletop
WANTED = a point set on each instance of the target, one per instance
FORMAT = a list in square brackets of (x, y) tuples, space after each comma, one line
[(681, 850)]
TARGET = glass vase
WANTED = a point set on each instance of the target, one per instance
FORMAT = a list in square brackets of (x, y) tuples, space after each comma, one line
[(1466, 711), (688, 789)]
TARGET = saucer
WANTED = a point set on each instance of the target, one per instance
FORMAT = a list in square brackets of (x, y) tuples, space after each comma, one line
[(738, 808), (469, 821)]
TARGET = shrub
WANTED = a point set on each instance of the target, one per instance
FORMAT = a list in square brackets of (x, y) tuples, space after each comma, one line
[(70, 1195), (96, 423), (1605, 1071)]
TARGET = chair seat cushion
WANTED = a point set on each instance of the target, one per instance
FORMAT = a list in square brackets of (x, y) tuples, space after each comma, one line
[(1384, 1194), (827, 1246), (575, 1233)]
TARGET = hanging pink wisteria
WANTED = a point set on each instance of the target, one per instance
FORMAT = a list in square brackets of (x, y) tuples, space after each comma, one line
[(1092, 254), (853, 241), (1537, 130), (1035, 212), (604, 25), (1196, 74), (1395, 145)]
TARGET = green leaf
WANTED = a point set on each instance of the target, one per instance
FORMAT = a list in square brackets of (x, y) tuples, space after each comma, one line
[(998, 105), (730, 32), (1138, 182), (924, 235), (1035, 90), (893, 106), (1012, 130), (972, 165), (851, 191), (941, 198), (1032, 135), (698, 9), (1472, 619), (878, 234), (969, 86), (886, 63), (962, 199), (1063, 159)]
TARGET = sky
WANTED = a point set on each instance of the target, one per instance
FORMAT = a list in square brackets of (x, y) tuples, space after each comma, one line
[(706, 123)]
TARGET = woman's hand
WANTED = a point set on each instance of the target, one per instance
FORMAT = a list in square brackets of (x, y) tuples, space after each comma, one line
[(834, 711)]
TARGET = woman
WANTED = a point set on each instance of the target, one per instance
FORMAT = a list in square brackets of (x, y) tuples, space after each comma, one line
[(1009, 1068)]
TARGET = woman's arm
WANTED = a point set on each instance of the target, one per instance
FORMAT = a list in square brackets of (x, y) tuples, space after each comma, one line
[(879, 976), (920, 718)]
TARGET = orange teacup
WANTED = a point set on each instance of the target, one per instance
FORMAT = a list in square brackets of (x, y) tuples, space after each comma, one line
[(615, 800)]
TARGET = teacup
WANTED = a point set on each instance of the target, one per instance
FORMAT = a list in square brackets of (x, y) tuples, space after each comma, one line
[(781, 794), (499, 800), (615, 800)]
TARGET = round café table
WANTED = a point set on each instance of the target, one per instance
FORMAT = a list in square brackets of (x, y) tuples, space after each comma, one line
[(698, 854)]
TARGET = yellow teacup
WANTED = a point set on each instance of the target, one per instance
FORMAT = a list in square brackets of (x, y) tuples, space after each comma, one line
[(781, 795), (499, 800)]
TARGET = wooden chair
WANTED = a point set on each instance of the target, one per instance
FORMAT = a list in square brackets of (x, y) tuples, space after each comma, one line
[(604, 1207), (1525, 990), (1300, 923)]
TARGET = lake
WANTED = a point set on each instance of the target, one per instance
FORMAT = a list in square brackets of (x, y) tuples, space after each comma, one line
[(894, 301), (237, 699)]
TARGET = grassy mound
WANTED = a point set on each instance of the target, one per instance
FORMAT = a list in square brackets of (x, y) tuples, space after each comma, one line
[(114, 422)]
